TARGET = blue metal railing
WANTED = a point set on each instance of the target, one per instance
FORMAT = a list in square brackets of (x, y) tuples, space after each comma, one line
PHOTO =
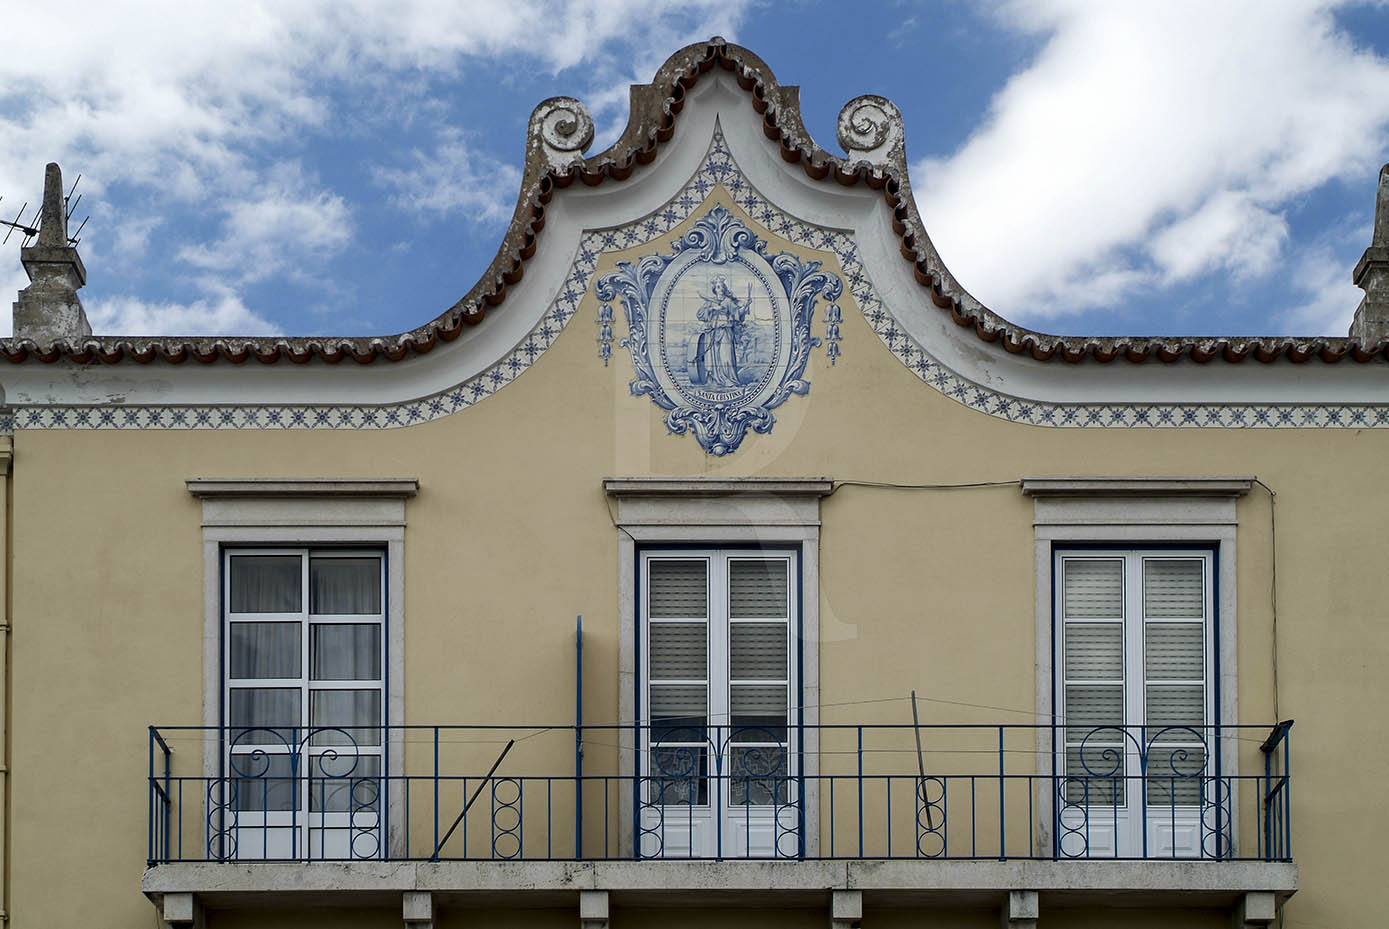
[(685, 789)]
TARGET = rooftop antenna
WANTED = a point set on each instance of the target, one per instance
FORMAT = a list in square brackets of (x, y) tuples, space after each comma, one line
[(70, 207), (30, 229)]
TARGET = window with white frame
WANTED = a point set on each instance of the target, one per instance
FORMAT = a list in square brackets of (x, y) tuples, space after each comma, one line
[(1134, 695), (719, 674), (1136, 663), (304, 701)]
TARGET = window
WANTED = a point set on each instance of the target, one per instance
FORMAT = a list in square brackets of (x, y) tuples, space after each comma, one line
[(728, 544), (1136, 664), (304, 702), (1133, 641), (719, 738), (304, 624)]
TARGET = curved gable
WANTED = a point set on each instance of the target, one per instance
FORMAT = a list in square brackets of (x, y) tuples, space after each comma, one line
[(714, 120)]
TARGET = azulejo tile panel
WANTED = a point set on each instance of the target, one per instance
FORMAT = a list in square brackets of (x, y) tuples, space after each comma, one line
[(717, 168)]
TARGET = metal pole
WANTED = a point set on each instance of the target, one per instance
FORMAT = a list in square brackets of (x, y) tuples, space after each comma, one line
[(578, 737), (467, 806), (921, 765)]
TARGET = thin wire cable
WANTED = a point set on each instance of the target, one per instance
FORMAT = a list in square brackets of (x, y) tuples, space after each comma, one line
[(893, 485)]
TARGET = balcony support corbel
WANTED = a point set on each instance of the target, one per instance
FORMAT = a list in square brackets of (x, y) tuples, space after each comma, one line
[(417, 908), (846, 909), (1256, 909), (1020, 910), (593, 909), (181, 911)]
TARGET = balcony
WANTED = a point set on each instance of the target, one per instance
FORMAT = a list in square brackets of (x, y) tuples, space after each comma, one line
[(904, 815)]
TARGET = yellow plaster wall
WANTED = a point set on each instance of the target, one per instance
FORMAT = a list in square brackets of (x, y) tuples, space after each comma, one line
[(511, 536)]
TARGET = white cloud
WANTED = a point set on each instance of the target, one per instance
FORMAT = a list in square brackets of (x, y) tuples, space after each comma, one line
[(1328, 298), (453, 180), (175, 100), (1149, 143), (285, 225), (223, 312), (1229, 230)]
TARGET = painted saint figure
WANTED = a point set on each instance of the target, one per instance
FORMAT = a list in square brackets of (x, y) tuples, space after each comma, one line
[(713, 356)]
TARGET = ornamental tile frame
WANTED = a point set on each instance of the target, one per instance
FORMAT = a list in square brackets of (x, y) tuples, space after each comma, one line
[(717, 169)]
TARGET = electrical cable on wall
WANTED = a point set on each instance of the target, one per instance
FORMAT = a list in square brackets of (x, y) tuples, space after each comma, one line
[(1273, 584)]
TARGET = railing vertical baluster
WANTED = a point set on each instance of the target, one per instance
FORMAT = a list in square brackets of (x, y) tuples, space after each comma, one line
[(888, 781), (1031, 816), (265, 820), (832, 816), (180, 823), (151, 851), (747, 819), (1172, 812), (167, 811), (1219, 798), (973, 818), (944, 816), (1287, 794), (435, 846), (860, 791), (1002, 818)]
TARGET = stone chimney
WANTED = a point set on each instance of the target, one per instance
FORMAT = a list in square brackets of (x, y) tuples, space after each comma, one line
[(48, 310), (1371, 323)]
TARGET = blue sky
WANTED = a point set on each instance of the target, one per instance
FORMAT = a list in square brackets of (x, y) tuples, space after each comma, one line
[(348, 167)]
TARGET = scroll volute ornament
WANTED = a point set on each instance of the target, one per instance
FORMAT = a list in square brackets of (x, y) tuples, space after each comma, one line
[(870, 129), (562, 129)]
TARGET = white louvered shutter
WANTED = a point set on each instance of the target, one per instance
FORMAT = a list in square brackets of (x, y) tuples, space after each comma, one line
[(678, 657), (758, 646), (1093, 668), (1174, 668)]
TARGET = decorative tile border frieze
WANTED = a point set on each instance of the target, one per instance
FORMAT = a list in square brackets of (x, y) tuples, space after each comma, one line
[(718, 168)]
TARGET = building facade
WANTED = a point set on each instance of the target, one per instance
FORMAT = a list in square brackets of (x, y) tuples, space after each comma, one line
[(717, 556)]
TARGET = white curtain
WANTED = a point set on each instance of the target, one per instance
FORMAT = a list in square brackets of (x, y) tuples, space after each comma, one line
[(345, 586), (265, 584)]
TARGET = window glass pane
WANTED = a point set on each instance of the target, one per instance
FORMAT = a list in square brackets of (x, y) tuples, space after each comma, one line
[(264, 650), (345, 717), (679, 712), (265, 584), (1093, 588), (758, 776), (1094, 705), (677, 776), (1094, 652), (343, 780), (677, 700), (1173, 588), (757, 588), (345, 586), (345, 651), (1173, 651), (678, 589), (1176, 705), (679, 652), (261, 782), (758, 651), (1094, 776), (758, 712), (263, 715), (1175, 775)]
